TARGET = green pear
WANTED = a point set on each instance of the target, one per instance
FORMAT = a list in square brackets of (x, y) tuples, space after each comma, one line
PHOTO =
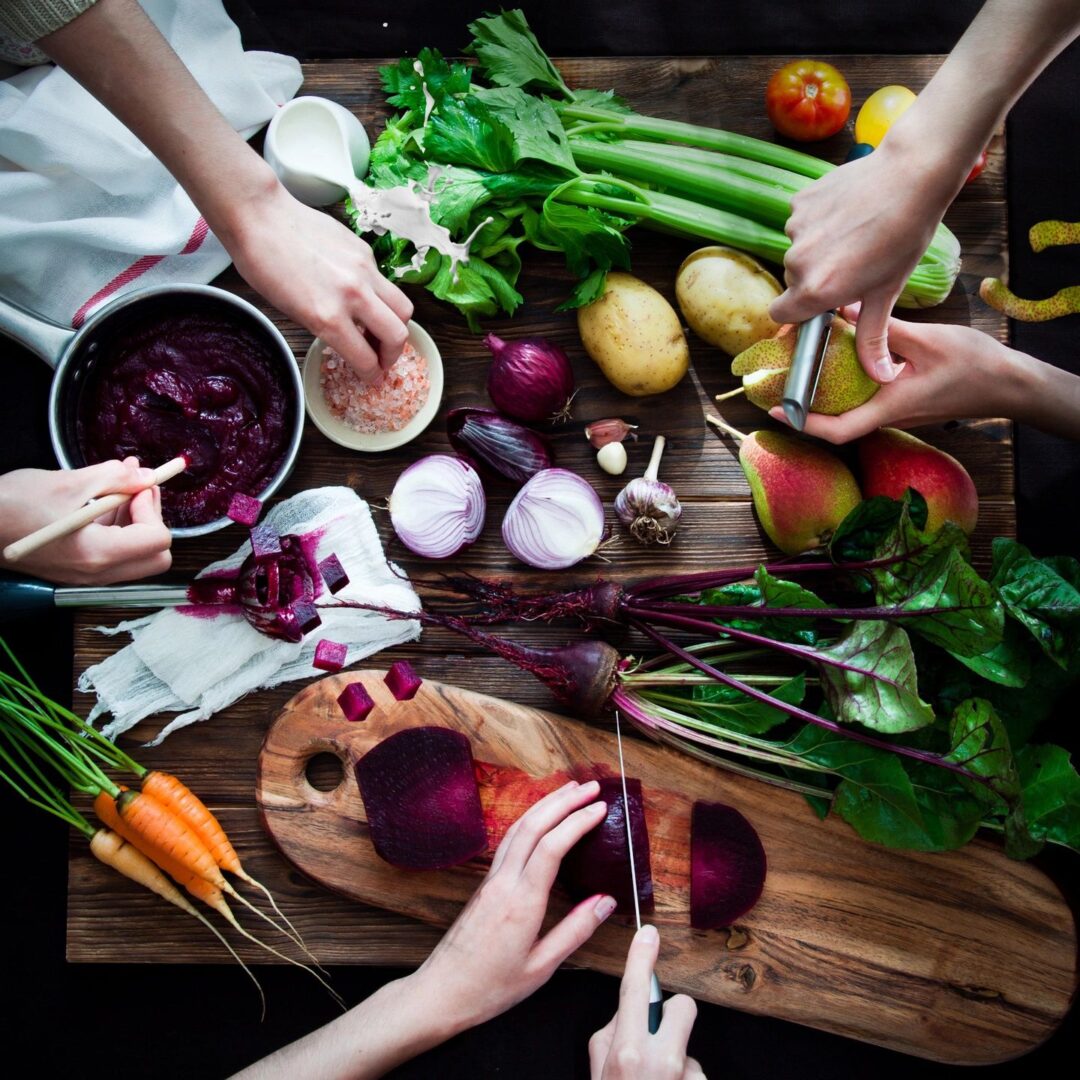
[(801, 491), (891, 461), (842, 384)]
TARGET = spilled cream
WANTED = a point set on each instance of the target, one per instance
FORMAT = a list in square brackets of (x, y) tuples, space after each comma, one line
[(406, 211)]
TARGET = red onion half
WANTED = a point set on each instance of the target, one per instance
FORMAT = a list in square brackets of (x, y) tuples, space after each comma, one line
[(555, 520), (438, 506), (530, 379)]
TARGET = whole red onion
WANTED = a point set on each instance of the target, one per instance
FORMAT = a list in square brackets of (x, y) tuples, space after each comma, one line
[(503, 445), (530, 379)]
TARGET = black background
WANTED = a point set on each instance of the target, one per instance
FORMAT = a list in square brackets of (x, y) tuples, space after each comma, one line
[(165, 1021)]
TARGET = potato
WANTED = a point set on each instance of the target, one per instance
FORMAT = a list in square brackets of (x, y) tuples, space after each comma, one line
[(634, 336), (724, 295)]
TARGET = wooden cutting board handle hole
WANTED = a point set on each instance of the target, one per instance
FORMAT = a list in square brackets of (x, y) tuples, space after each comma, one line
[(325, 771)]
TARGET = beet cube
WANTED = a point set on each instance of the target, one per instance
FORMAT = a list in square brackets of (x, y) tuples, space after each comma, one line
[(265, 543), (355, 702), (330, 655), (306, 615), (333, 573), (402, 680), (243, 509)]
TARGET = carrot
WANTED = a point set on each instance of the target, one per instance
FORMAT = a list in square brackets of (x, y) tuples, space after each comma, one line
[(209, 892), (119, 854), (200, 888), (159, 831), (176, 796), (186, 805)]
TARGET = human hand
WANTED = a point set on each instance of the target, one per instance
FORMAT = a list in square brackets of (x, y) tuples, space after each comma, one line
[(323, 276), (624, 1049), (946, 372), (125, 544), (490, 959), (856, 235)]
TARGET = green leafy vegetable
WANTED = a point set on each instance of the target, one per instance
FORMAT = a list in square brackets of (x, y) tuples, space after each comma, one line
[(1041, 594), (953, 706), (868, 677), (1051, 791)]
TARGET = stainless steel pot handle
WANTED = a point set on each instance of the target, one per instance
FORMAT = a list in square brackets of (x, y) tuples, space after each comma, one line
[(43, 338)]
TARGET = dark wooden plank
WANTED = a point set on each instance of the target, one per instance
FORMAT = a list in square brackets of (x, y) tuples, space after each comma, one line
[(110, 920)]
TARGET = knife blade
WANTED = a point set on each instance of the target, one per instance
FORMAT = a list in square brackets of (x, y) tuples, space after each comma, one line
[(656, 997), (802, 377)]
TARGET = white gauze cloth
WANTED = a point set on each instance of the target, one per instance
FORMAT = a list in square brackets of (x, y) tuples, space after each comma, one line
[(185, 662), (86, 211)]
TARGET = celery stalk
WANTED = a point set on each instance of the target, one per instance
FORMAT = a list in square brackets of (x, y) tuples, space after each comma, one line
[(675, 131), (735, 176)]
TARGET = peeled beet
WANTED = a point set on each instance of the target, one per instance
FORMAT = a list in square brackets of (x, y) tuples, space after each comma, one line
[(421, 799), (727, 866), (600, 861)]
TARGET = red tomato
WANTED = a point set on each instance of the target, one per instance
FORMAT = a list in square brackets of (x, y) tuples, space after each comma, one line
[(977, 168), (808, 100)]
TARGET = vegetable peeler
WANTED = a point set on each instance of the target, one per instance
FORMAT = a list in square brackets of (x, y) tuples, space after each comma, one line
[(802, 377), (656, 997)]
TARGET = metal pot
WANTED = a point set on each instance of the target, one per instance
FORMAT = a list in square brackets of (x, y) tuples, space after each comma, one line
[(74, 354)]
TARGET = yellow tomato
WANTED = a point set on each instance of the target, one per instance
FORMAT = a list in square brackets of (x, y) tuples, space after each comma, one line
[(880, 111)]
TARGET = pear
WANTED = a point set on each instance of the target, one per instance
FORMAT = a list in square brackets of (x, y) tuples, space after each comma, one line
[(891, 461), (801, 491), (842, 384)]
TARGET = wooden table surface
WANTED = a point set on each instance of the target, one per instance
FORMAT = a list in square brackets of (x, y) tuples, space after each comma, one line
[(113, 921)]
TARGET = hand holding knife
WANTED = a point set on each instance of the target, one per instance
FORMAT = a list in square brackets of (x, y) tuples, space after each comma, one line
[(656, 997)]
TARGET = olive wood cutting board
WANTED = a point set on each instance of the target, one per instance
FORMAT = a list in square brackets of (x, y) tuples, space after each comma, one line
[(966, 957)]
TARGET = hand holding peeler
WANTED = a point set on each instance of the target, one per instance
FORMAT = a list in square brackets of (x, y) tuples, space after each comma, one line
[(802, 377)]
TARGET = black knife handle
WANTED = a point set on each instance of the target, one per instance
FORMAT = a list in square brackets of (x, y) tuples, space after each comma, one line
[(656, 1005)]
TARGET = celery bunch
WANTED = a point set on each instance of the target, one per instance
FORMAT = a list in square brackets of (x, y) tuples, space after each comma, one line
[(571, 170)]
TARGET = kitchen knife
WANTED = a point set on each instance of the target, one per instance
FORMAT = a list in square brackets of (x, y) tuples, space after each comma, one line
[(802, 377), (21, 597), (656, 998)]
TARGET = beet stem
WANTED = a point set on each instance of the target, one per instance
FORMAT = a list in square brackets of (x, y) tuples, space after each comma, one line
[(736, 611), (683, 622), (803, 714), (685, 746), (672, 584)]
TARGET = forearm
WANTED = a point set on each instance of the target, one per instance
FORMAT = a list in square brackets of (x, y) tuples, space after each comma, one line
[(118, 55), (1007, 45), (1041, 395), (380, 1033)]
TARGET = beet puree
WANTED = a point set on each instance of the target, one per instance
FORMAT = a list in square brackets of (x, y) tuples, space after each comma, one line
[(202, 385)]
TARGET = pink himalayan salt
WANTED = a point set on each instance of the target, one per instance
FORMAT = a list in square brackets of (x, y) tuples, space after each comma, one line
[(370, 408)]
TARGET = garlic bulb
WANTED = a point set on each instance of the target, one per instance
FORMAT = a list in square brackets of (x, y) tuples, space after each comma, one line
[(649, 508)]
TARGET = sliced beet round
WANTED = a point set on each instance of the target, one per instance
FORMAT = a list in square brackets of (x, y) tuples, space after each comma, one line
[(727, 865), (600, 861), (421, 798)]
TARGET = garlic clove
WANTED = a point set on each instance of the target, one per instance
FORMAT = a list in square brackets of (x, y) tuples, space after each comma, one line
[(611, 457), (602, 432)]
